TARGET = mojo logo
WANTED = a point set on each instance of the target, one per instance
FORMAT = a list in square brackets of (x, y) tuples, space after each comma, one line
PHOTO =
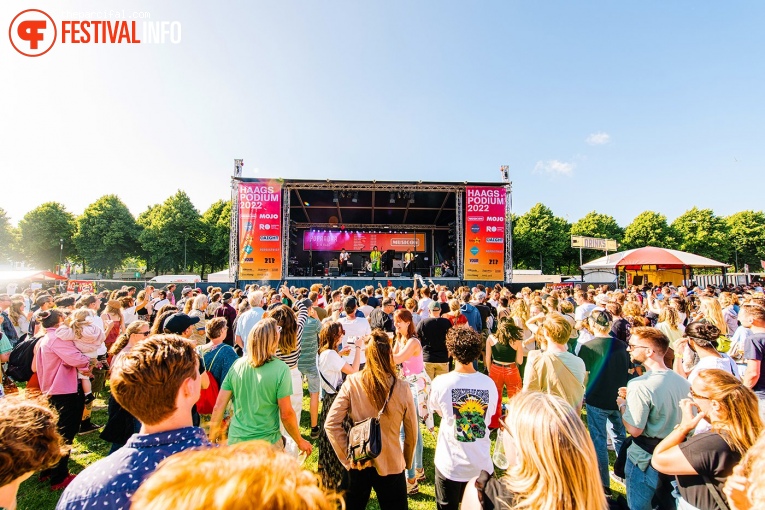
[(268, 216), (32, 33)]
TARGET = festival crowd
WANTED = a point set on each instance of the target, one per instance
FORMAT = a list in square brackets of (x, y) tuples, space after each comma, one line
[(529, 393)]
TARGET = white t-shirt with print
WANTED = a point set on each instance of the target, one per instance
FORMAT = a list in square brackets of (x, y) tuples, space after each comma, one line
[(331, 367), (466, 403), (355, 328)]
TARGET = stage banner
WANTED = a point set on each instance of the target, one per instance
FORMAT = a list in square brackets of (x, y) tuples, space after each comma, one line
[(484, 233), (354, 241), (260, 230), (81, 286)]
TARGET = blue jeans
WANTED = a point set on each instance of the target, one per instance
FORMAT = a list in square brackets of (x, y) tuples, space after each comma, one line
[(641, 486), (596, 423), (417, 449)]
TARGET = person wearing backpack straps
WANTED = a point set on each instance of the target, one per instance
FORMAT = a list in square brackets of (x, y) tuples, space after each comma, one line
[(217, 356), (332, 369)]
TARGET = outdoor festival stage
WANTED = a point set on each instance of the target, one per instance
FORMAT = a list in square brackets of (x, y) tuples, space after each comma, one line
[(294, 231)]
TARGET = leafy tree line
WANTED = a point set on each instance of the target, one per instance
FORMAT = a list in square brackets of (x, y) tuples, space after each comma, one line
[(542, 240), (106, 236), (168, 237)]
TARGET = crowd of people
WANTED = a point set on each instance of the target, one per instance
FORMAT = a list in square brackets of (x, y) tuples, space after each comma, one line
[(205, 396)]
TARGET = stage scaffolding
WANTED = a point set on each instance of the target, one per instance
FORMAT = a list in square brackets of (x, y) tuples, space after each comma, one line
[(416, 195)]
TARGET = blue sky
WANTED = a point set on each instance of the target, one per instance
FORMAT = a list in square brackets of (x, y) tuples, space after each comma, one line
[(607, 105)]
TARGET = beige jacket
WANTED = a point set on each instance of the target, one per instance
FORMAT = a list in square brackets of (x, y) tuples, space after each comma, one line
[(352, 398), (546, 373)]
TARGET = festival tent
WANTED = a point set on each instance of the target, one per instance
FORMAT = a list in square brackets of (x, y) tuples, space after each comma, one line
[(220, 277), (652, 264), (30, 274)]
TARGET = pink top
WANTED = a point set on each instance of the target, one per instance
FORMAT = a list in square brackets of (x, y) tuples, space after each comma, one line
[(413, 365), (56, 364)]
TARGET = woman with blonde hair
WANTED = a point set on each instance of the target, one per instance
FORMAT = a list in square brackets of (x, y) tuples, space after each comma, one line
[(238, 477), (198, 307), (260, 386), (552, 461), (711, 311), (373, 392), (454, 315), (19, 319), (708, 458), (670, 324)]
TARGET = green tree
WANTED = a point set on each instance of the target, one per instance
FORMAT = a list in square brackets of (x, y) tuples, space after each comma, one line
[(746, 233), (41, 233), (171, 234), (540, 239), (701, 232), (649, 229), (8, 239), (106, 234), (594, 224), (216, 230)]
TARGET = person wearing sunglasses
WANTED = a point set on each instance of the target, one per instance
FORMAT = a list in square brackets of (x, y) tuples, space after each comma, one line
[(552, 461), (702, 463), (650, 408)]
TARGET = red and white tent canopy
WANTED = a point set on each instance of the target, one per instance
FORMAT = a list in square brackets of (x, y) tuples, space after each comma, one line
[(33, 274), (653, 257)]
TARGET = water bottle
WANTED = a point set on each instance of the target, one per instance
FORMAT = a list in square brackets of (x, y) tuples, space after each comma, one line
[(498, 457)]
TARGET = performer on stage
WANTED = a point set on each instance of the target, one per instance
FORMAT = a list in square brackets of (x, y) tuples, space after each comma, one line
[(374, 258), (409, 262), (447, 268), (344, 257)]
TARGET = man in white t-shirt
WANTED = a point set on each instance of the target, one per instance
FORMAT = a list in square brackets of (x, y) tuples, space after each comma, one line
[(466, 400), (585, 306), (355, 327)]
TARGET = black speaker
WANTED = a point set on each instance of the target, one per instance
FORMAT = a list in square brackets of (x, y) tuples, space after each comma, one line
[(334, 271)]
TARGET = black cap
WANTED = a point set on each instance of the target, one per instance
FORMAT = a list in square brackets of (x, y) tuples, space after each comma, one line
[(179, 322), (227, 296)]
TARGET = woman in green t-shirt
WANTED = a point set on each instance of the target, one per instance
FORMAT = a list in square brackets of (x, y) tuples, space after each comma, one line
[(260, 386)]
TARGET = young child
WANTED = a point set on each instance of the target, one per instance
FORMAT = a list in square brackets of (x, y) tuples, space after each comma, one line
[(88, 338)]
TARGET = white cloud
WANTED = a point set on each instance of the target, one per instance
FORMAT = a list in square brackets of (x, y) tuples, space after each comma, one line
[(554, 167), (598, 138)]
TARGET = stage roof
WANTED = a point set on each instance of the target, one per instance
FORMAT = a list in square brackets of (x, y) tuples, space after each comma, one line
[(366, 204)]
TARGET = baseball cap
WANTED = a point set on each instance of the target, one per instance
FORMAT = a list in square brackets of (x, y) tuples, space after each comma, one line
[(434, 305), (601, 318), (227, 296), (186, 290), (179, 322)]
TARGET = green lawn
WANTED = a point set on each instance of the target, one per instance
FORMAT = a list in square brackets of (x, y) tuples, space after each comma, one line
[(87, 449)]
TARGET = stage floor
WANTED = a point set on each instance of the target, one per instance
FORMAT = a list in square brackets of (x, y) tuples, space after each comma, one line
[(335, 282)]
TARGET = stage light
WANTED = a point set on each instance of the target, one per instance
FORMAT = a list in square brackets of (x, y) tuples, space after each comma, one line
[(411, 198), (335, 198), (355, 197), (392, 198)]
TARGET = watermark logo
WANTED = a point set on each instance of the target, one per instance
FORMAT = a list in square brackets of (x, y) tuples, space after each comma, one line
[(32, 33)]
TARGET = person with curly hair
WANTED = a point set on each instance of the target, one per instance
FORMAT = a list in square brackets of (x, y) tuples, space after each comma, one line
[(466, 400), (237, 477), (29, 442)]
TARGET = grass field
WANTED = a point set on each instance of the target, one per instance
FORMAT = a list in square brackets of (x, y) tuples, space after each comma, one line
[(87, 449)]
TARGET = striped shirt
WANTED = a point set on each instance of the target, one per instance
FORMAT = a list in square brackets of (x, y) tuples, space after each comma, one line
[(292, 358)]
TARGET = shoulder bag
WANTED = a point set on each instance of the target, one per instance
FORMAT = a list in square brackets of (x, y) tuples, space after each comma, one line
[(365, 437)]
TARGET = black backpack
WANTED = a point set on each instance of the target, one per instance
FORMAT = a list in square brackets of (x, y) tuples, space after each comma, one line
[(20, 363)]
